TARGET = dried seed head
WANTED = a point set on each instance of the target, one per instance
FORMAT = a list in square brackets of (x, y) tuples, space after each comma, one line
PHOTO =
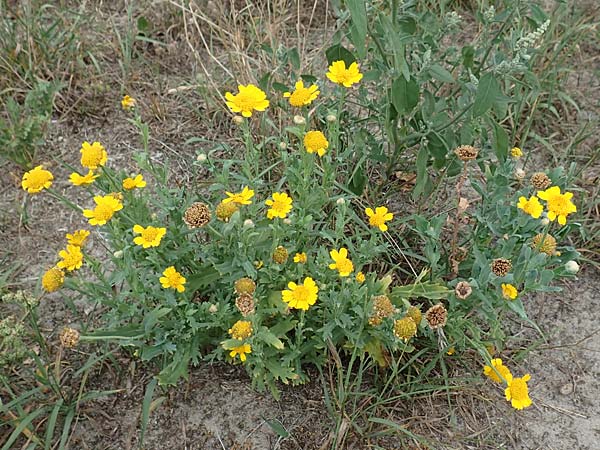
[(280, 255), (415, 314), (501, 266), (382, 308), (540, 180), (466, 152), (224, 211), (405, 328), (544, 243), (245, 304), (197, 215), (69, 337), (436, 316), (245, 286), (463, 290)]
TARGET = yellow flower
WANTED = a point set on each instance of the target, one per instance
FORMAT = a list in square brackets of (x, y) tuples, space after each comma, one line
[(72, 258), (497, 372), (509, 292), (106, 207), (281, 205), (249, 98), (128, 102), (360, 277), (242, 350), (341, 262), (315, 141), (517, 392), (302, 96), (36, 180), (93, 155), (533, 207), (78, 238), (150, 236), (379, 217), (300, 258), (172, 279), (301, 296), (240, 198), (81, 180), (132, 183), (241, 330), (559, 205), (338, 73), (516, 152), (53, 279)]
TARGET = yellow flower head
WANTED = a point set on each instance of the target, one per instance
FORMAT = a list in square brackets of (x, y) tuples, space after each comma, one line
[(72, 258), (106, 207), (150, 236), (516, 152), (405, 328), (341, 262), (78, 238), (517, 392), (300, 258), (281, 205), (242, 350), (509, 292), (301, 296), (82, 180), (53, 279), (135, 182), (559, 205), (248, 99), (302, 96), (128, 102), (533, 207), (239, 198), (497, 372), (241, 330), (338, 73), (172, 279), (36, 180), (315, 141), (360, 277), (93, 155), (379, 217)]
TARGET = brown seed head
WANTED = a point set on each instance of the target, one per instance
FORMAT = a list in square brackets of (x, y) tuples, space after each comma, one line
[(197, 215), (69, 337), (245, 286), (280, 255), (436, 316), (544, 243), (501, 266), (463, 290), (540, 180), (405, 328), (466, 152), (224, 211), (245, 304)]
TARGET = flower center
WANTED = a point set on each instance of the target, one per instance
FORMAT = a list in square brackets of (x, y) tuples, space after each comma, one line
[(103, 212), (245, 102), (344, 265), (149, 234), (301, 293), (518, 389), (558, 203)]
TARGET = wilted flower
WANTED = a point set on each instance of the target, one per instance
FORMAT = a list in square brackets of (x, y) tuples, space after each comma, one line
[(244, 286), (463, 290), (436, 316), (540, 180), (197, 215), (128, 102), (224, 211), (501, 266), (415, 314), (245, 304), (544, 243), (82, 180), (280, 255), (497, 372), (466, 152), (382, 308), (69, 337)]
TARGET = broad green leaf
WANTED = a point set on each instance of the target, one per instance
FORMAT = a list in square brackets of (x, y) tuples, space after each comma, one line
[(339, 53), (441, 74), (358, 14), (500, 142), (405, 95), (427, 289), (487, 91)]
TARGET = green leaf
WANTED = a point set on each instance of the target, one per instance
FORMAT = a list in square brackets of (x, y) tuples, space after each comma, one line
[(487, 91), (500, 142), (339, 53), (174, 371), (153, 317), (277, 427), (146, 409), (206, 277), (405, 95), (358, 181), (441, 74), (294, 58), (271, 339), (127, 332), (358, 14), (427, 289)]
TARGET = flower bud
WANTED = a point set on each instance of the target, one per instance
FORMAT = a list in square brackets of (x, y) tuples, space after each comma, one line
[(201, 157), (282, 146), (248, 223), (341, 201), (287, 221), (545, 221), (118, 254), (299, 120), (520, 174), (572, 267), (331, 118), (213, 308), (238, 120)]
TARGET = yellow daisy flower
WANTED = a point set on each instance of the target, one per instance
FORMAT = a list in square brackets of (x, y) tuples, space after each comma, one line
[(36, 180), (509, 292), (135, 182), (128, 102), (338, 73), (341, 262), (72, 258), (497, 372), (281, 205), (248, 99), (241, 350), (302, 96), (82, 180), (172, 279), (517, 392), (315, 141), (53, 279), (241, 330), (360, 277), (239, 198), (533, 207), (78, 238), (93, 155), (106, 207), (300, 258), (379, 217), (301, 296), (559, 205), (150, 236)]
